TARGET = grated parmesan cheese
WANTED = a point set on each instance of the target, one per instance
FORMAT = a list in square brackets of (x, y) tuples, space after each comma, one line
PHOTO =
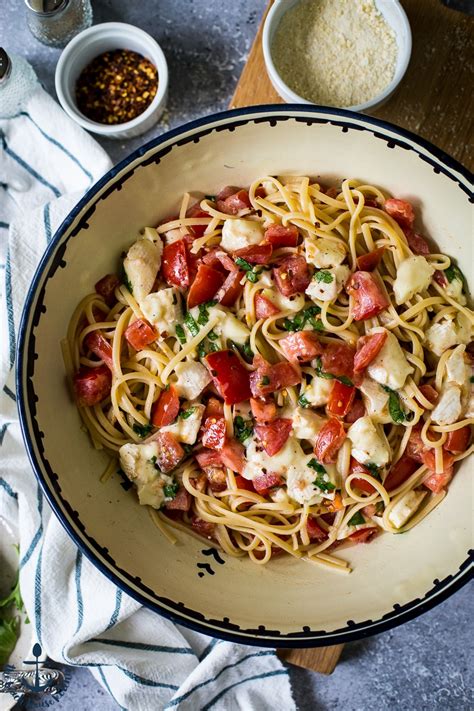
[(335, 52)]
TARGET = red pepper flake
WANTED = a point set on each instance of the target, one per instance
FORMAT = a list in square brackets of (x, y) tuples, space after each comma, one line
[(116, 87)]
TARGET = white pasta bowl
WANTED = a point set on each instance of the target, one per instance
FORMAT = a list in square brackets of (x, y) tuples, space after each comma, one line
[(287, 602)]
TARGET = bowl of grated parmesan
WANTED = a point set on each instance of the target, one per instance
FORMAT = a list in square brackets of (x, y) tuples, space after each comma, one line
[(346, 53)]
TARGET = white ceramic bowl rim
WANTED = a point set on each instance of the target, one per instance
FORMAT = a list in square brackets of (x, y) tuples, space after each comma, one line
[(124, 30), (52, 260), (375, 100)]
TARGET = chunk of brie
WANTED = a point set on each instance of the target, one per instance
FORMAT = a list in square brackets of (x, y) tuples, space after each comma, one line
[(141, 265), (389, 367), (318, 391), (375, 400), (136, 462), (457, 370), (330, 285), (413, 275), (237, 234), (406, 507), (449, 408), (186, 429), (306, 424), (324, 253), (163, 309), (441, 336), (192, 379), (369, 443)]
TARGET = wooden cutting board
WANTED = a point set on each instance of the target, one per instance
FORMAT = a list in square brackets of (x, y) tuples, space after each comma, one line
[(435, 100)]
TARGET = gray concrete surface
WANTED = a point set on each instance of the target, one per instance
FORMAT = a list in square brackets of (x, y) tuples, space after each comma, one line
[(423, 665)]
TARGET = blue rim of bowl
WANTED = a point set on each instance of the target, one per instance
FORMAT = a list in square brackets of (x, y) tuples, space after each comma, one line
[(224, 629)]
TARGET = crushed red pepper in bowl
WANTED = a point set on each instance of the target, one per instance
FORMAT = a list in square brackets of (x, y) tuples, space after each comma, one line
[(116, 87)]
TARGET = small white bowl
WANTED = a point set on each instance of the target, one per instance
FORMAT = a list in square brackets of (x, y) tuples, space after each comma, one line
[(395, 16), (89, 44)]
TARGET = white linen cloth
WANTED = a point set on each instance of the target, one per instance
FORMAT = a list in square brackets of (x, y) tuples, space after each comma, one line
[(78, 616)]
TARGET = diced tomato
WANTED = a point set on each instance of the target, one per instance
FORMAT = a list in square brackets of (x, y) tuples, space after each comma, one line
[(269, 378), (370, 510), (368, 347), (212, 260), (365, 535), (264, 411), (280, 236), (357, 410), (244, 484), (367, 295), (368, 262), (315, 532), (226, 261), (170, 452), (437, 482), (356, 467), (140, 334), (106, 288), (256, 253), (234, 203), (440, 278), (400, 472), (174, 264), (341, 398), (166, 408), (457, 441), (92, 385), (214, 432), (100, 346), (231, 289), (430, 393), (233, 455), (208, 458), (205, 285), (196, 211), (214, 408), (292, 275), (181, 502), (274, 435), (338, 359), (301, 346), (217, 478), (401, 211), (265, 482), (229, 376), (286, 375), (429, 459), (415, 446), (264, 307), (203, 528), (417, 243), (227, 191), (330, 438)]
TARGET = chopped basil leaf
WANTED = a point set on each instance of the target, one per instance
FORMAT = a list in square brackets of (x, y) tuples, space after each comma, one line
[(314, 464), (180, 333), (212, 335), (142, 430), (242, 429), (303, 401), (317, 324), (170, 490), (394, 407), (203, 317), (184, 414), (265, 380), (471, 379), (248, 352), (324, 276), (188, 448), (244, 349), (189, 321), (330, 376), (211, 198), (201, 350), (243, 264), (9, 633), (373, 469), (253, 276), (13, 597), (213, 347), (301, 318), (356, 520), (323, 484), (126, 280), (453, 272), (379, 507)]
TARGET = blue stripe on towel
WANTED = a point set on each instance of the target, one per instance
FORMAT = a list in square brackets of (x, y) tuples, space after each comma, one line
[(47, 222), (265, 675), (10, 317), (9, 393), (142, 646), (80, 602), (115, 613), (38, 533), (28, 167), (6, 486), (106, 684), (38, 586), (3, 430)]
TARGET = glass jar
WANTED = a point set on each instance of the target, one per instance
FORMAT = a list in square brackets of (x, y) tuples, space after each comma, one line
[(56, 22)]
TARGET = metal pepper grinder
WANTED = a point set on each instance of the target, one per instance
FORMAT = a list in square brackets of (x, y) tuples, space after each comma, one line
[(56, 22)]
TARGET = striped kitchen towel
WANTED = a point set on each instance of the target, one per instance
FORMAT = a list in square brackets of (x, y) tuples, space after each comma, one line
[(78, 616)]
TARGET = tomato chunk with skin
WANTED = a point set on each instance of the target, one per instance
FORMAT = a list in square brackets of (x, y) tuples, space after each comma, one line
[(181, 502), (196, 211), (330, 439), (234, 203), (365, 535), (255, 254), (315, 532), (212, 260), (265, 482), (367, 295), (92, 385), (338, 359), (106, 286), (244, 484), (205, 285), (301, 346), (166, 408), (400, 472), (214, 408), (292, 275), (214, 434), (368, 347), (264, 411), (231, 289), (264, 307), (458, 441), (203, 528), (430, 393), (100, 346), (417, 243), (233, 455), (268, 378), (280, 236), (170, 452), (140, 334), (341, 398), (208, 458), (174, 264), (274, 435), (229, 376), (356, 467), (368, 262), (356, 411), (401, 211), (416, 448), (217, 478)]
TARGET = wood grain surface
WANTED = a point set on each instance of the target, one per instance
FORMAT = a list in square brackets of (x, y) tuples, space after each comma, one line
[(436, 96), (321, 659)]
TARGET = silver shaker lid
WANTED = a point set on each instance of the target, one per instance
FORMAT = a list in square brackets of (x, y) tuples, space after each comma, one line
[(45, 7), (5, 66)]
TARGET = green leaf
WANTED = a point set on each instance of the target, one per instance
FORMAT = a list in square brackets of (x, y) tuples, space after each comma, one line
[(330, 376), (211, 198), (303, 401), (170, 490), (265, 380), (323, 484), (191, 324), (453, 272), (244, 349), (301, 319), (9, 633), (374, 470), (142, 430), (126, 281), (243, 429), (180, 333), (324, 276), (314, 464), (253, 276), (203, 317), (14, 597), (243, 264), (394, 407), (212, 335), (201, 349), (356, 520), (188, 448), (184, 414)]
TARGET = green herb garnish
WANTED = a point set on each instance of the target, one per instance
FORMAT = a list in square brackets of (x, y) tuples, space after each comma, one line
[(9, 633), (243, 264), (191, 324), (253, 276), (314, 464), (184, 414), (170, 490), (453, 272), (324, 276), (142, 430), (373, 469), (188, 448), (302, 318), (203, 317), (212, 335), (379, 507), (201, 349), (180, 333), (243, 429), (265, 380), (356, 520), (125, 280), (211, 198), (394, 407), (330, 376), (303, 401)]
